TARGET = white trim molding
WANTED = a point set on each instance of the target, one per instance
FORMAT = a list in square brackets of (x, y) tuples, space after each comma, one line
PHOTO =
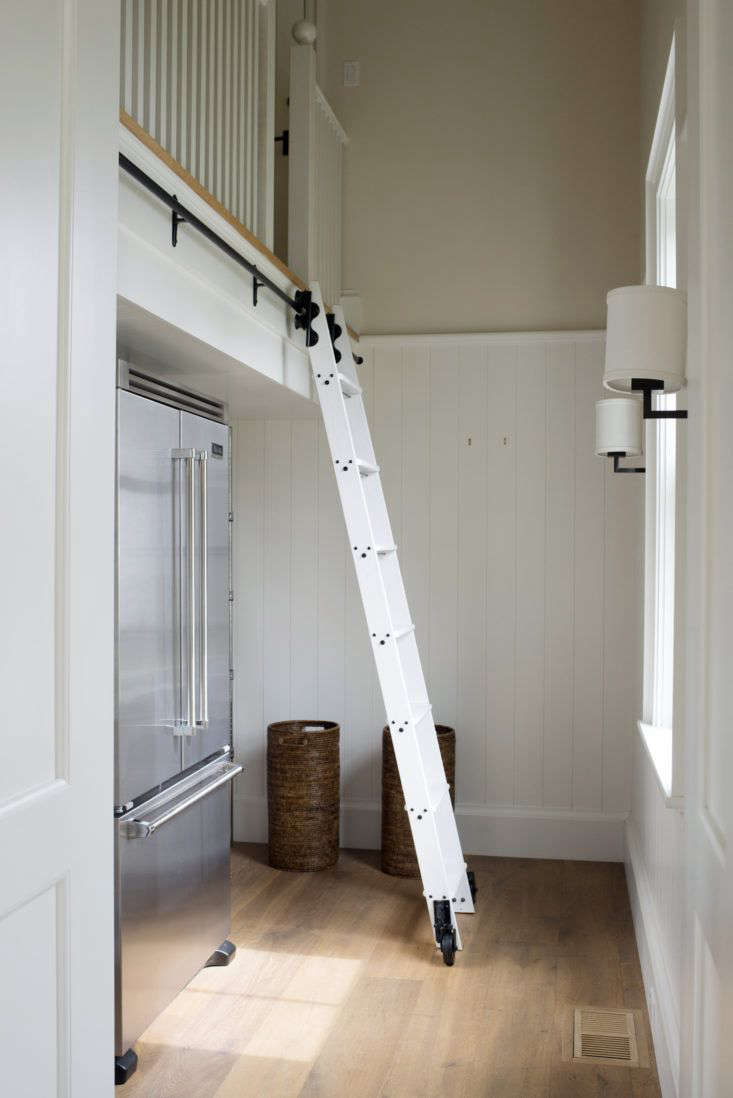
[(493, 830), (663, 1019), (462, 339)]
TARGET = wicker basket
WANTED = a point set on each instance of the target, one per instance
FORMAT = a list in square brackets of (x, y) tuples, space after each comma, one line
[(398, 849), (303, 794)]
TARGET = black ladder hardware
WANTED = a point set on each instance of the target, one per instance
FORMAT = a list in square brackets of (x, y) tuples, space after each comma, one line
[(334, 330), (306, 312), (445, 934)]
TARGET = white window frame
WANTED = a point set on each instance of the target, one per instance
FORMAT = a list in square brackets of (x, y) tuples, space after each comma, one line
[(661, 619)]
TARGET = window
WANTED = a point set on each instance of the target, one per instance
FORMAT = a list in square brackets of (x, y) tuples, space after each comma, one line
[(657, 726)]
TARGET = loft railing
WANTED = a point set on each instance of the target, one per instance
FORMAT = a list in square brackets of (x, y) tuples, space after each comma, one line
[(317, 142), (199, 79)]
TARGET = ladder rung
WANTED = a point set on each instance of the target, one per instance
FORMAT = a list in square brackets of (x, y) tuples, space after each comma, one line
[(400, 633), (366, 468), (383, 550), (348, 387)]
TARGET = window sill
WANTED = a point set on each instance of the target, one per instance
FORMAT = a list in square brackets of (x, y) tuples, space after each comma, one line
[(658, 744)]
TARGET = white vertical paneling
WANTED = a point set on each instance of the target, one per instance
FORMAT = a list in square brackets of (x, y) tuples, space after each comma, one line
[(415, 532), (330, 632), (529, 638), (557, 752), (501, 571), (277, 634), (525, 593), (248, 490), (304, 566), (441, 663), (198, 76), (589, 555), (470, 716)]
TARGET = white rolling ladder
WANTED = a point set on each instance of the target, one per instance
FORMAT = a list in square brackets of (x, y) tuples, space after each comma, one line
[(447, 886)]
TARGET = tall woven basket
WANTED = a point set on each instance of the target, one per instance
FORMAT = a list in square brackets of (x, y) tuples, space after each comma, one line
[(398, 850), (303, 788)]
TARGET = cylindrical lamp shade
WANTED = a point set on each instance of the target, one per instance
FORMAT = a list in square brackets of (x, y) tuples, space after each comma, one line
[(618, 426), (646, 337)]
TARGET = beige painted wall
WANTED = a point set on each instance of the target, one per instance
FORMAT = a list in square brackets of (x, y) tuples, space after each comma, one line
[(492, 178)]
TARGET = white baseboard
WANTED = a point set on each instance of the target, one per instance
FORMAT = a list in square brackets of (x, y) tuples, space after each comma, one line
[(498, 831), (664, 1022)]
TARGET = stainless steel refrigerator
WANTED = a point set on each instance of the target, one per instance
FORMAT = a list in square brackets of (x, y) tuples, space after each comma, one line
[(173, 715)]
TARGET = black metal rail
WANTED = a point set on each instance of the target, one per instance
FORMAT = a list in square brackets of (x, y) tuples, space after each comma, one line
[(301, 302), (180, 215)]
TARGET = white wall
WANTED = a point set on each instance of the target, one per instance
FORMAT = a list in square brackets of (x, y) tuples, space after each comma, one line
[(521, 555)]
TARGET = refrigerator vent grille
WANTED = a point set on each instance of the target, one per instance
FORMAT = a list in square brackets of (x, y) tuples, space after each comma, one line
[(168, 393)]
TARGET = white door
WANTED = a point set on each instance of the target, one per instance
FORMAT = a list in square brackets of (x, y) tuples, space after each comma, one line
[(707, 1023), (58, 214)]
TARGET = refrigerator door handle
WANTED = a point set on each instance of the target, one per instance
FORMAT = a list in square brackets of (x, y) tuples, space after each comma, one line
[(203, 596), (186, 725), (143, 829)]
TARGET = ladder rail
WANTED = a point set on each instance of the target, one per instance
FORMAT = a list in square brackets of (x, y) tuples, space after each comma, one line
[(386, 610)]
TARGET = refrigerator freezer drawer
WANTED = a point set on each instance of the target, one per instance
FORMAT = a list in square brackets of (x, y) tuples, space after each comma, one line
[(173, 895)]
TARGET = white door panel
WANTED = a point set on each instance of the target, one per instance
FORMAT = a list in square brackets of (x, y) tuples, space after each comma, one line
[(58, 87), (707, 1016)]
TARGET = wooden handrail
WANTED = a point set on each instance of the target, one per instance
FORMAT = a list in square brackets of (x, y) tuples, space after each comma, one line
[(142, 135)]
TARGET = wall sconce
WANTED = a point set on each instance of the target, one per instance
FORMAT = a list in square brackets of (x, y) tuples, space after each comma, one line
[(646, 336), (618, 431)]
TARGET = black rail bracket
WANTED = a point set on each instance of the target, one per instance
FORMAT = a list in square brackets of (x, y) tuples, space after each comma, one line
[(176, 220)]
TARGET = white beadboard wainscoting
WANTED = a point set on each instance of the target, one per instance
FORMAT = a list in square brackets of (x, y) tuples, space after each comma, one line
[(198, 76), (522, 556)]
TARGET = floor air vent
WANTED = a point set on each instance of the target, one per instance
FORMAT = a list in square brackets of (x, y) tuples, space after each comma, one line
[(605, 1036), (167, 392)]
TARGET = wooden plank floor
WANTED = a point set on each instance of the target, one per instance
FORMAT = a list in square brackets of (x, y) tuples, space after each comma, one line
[(336, 991)]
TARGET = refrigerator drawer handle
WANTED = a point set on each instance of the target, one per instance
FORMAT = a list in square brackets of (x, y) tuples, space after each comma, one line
[(142, 829)]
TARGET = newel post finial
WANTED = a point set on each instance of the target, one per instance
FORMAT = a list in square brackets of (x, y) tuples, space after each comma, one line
[(304, 32)]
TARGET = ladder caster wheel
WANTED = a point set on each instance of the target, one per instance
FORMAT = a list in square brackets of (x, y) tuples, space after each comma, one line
[(448, 946)]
